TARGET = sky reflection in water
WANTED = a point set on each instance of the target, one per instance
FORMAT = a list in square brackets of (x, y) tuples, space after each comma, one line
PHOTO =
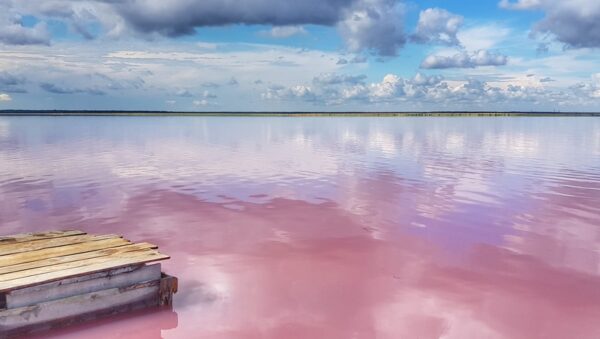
[(329, 227)]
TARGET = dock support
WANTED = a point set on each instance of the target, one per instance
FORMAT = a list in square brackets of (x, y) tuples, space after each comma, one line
[(54, 279)]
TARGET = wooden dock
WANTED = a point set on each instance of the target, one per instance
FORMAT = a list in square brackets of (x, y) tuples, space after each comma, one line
[(54, 279)]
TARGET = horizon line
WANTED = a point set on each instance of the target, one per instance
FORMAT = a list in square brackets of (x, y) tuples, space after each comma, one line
[(57, 112)]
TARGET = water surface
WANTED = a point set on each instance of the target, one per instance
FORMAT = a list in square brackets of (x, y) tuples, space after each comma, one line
[(329, 227)]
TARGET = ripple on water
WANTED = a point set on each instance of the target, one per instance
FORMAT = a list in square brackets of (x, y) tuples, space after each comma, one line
[(334, 228)]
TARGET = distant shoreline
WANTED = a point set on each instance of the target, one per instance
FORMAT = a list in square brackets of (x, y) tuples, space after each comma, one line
[(294, 114)]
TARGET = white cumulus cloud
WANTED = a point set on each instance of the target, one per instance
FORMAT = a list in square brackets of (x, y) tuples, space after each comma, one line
[(464, 60), (437, 25)]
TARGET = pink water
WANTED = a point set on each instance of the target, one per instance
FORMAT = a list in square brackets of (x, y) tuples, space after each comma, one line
[(329, 227)]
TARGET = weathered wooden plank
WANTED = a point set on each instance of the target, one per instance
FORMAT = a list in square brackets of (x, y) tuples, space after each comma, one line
[(77, 279), (95, 244), (49, 243), (75, 257), (12, 320), (39, 329), (56, 278), (78, 271), (139, 253), (64, 288), (25, 237)]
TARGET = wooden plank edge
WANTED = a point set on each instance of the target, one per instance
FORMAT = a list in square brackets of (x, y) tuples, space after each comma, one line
[(11, 285), (72, 287), (75, 280), (61, 267), (26, 237), (105, 252), (143, 296), (34, 255), (167, 285), (15, 248)]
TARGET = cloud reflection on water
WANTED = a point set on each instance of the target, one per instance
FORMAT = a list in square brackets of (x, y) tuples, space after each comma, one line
[(331, 228)]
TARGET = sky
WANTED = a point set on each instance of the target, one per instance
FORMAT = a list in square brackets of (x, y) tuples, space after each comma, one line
[(307, 55)]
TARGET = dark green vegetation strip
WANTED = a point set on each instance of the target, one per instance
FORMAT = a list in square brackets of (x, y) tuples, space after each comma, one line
[(293, 114)]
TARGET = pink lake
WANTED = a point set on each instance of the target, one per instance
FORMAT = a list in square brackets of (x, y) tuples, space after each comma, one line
[(329, 227)]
